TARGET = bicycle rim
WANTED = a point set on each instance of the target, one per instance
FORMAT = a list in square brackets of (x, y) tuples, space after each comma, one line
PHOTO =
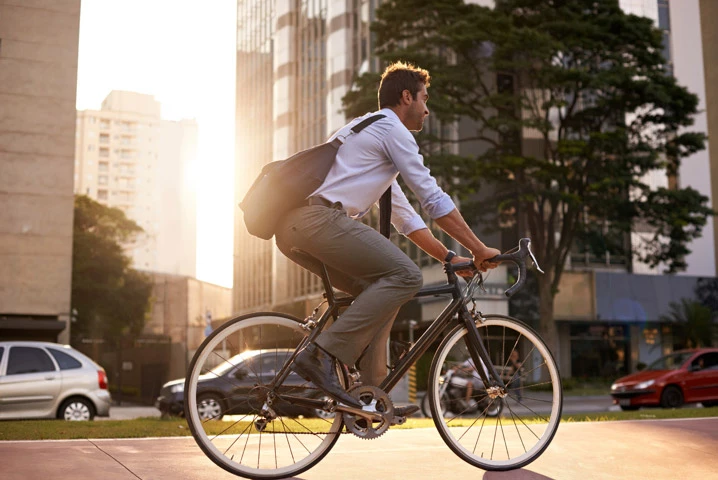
[(228, 376), (532, 401)]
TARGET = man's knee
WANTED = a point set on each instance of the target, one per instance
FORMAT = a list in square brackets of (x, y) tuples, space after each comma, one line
[(412, 278)]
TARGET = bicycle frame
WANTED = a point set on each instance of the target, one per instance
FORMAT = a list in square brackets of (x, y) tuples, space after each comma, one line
[(476, 348)]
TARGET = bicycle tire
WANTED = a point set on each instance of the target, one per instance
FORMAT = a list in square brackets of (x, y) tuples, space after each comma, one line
[(260, 342), (520, 422)]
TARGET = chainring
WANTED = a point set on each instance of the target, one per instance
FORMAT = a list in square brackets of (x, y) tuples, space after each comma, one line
[(372, 399)]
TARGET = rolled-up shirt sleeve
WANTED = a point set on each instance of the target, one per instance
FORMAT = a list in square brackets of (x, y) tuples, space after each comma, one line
[(403, 216), (402, 149)]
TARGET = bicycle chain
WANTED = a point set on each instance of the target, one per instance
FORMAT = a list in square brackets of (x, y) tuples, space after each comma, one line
[(350, 425)]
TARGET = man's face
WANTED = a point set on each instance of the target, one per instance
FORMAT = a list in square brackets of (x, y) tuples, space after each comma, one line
[(417, 111)]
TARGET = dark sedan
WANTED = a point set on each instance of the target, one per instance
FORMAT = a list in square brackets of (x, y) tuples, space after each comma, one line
[(230, 387), (686, 376)]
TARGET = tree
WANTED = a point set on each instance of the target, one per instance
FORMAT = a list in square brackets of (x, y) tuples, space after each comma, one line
[(111, 299), (570, 105), (707, 293), (692, 322)]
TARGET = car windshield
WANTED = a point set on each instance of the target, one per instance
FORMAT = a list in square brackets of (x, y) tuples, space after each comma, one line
[(670, 362)]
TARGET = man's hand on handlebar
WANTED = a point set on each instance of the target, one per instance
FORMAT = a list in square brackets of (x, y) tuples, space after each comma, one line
[(467, 272), (482, 257), (481, 263)]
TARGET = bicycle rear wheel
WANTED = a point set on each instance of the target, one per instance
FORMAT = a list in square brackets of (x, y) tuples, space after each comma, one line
[(532, 400), (226, 392)]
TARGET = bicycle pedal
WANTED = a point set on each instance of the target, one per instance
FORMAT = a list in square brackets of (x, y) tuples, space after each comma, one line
[(398, 421)]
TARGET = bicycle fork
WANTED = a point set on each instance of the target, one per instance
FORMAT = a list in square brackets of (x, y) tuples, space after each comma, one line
[(480, 356)]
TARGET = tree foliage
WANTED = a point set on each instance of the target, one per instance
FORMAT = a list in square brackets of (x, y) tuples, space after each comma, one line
[(693, 325), (570, 106), (110, 298)]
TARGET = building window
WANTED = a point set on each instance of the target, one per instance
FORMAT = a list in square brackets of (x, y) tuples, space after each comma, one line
[(104, 138), (102, 179), (90, 148), (105, 152), (102, 194), (103, 167), (664, 23)]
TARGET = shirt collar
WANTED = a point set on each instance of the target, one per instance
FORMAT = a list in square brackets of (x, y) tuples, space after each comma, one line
[(389, 113)]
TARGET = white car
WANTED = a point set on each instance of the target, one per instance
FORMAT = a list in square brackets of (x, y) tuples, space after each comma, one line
[(49, 380)]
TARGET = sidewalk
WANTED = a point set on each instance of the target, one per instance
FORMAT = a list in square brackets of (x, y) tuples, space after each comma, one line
[(659, 450)]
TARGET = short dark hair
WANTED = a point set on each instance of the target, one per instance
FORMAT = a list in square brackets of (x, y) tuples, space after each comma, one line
[(397, 77)]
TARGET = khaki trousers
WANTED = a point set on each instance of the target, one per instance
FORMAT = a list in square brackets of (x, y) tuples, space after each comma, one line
[(363, 263)]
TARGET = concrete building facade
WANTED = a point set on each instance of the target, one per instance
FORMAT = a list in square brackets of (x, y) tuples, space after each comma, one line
[(128, 157), (182, 309), (38, 81)]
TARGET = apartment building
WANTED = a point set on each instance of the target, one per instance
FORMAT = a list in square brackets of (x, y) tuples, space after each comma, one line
[(127, 156), (38, 81)]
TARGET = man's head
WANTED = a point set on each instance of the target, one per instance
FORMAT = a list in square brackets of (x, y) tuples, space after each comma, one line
[(403, 89)]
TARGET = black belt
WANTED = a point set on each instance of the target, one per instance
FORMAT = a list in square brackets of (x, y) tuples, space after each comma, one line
[(322, 201)]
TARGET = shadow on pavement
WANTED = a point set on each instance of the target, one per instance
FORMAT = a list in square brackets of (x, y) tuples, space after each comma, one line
[(520, 474)]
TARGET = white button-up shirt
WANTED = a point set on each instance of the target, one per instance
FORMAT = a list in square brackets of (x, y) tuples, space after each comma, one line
[(370, 161)]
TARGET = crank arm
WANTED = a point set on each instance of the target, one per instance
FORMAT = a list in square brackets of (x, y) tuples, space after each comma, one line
[(371, 416)]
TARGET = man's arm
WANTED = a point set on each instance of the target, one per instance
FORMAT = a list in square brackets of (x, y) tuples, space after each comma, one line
[(456, 227)]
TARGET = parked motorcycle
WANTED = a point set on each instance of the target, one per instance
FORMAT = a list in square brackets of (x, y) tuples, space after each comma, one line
[(453, 398)]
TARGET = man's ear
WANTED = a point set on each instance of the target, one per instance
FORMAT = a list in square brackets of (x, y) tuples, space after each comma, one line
[(406, 96)]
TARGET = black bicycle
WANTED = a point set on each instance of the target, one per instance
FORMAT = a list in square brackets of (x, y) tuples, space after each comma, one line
[(277, 425)]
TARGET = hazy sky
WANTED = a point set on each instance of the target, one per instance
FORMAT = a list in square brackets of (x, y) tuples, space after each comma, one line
[(183, 53)]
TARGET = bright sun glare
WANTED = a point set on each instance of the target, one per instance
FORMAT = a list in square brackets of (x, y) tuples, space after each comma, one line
[(183, 53)]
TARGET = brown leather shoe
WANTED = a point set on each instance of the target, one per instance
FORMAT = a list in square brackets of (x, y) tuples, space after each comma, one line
[(317, 366)]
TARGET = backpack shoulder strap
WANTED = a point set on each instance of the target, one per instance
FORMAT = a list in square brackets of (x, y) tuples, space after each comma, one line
[(366, 122), (385, 213)]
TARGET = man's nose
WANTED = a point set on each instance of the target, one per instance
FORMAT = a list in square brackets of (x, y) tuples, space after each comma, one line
[(426, 112)]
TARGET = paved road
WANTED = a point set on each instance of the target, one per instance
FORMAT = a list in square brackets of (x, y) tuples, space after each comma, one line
[(571, 405), (655, 449)]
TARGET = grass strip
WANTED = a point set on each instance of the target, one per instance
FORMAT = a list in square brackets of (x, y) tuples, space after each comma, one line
[(156, 427)]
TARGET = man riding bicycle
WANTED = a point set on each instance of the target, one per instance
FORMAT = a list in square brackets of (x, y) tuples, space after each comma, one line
[(361, 261)]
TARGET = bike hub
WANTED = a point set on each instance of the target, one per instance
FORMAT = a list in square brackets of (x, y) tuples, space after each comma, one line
[(495, 392)]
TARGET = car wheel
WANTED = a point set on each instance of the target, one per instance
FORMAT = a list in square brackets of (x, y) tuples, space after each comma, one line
[(210, 407), (629, 408), (672, 397), (712, 403), (77, 409)]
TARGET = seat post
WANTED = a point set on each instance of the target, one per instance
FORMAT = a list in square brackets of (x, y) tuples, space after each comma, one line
[(329, 291)]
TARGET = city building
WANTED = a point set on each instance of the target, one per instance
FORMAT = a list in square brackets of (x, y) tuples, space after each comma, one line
[(613, 317), (184, 311), (38, 81), (128, 157)]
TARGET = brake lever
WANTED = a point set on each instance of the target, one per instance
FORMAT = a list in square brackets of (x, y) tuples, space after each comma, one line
[(534, 258)]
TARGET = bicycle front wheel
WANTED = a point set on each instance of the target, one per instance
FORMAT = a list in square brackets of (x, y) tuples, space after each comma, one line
[(531, 401), (227, 392)]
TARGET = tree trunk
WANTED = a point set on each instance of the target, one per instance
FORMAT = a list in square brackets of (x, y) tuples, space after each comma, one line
[(547, 326)]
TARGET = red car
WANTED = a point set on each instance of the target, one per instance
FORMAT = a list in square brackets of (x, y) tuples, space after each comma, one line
[(685, 376)]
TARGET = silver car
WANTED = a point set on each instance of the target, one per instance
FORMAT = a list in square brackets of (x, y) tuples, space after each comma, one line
[(49, 380)]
